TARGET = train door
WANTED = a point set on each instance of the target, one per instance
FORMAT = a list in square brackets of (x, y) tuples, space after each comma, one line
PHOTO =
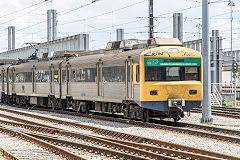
[(3, 79), (99, 79), (68, 69), (33, 80), (51, 79), (8, 80), (129, 73), (13, 80)]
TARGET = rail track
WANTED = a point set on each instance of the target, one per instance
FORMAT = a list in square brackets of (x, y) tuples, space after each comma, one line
[(55, 150), (6, 155), (222, 111), (123, 145), (217, 133)]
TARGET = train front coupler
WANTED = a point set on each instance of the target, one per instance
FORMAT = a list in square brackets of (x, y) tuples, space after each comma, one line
[(175, 108)]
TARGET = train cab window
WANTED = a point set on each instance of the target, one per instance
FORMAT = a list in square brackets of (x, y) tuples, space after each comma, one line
[(137, 73), (191, 73), (173, 74)]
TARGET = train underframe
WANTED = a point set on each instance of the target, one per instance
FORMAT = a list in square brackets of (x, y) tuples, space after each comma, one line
[(129, 109)]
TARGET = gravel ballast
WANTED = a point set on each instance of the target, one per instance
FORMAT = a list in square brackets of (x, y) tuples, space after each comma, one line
[(25, 150), (173, 137), (218, 121)]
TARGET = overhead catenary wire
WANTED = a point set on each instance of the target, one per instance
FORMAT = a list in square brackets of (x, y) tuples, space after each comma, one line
[(24, 14), (84, 18), (23, 9), (97, 29)]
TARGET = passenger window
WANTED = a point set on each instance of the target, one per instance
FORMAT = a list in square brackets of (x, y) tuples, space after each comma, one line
[(114, 74), (22, 77), (84, 75), (42, 76)]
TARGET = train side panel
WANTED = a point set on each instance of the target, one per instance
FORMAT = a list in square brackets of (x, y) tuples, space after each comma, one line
[(114, 91), (83, 90)]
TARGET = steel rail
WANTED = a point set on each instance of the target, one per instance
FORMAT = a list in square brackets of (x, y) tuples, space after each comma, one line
[(221, 112), (7, 155), (112, 142), (118, 135), (128, 137), (45, 145), (129, 152)]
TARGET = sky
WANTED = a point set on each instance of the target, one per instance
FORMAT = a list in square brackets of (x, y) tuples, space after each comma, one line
[(101, 19)]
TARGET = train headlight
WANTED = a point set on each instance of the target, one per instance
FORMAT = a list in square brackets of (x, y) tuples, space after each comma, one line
[(153, 93), (193, 92)]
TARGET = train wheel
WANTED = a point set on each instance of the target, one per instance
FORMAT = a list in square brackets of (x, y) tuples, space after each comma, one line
[(53, 103), (145, 115), (126, 112), (176, 119), (63, 104)]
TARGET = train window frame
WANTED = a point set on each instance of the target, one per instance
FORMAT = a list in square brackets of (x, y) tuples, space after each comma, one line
[(162, 73), (109, 77), (56, 76), (10, 76), (1, 77), (42, 76), (81, 74), (136, 73), (64, 76), (23, 77), (173, 73), (5, 77)]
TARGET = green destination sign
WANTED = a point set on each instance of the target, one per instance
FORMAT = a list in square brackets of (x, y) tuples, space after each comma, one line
[(172, 61)]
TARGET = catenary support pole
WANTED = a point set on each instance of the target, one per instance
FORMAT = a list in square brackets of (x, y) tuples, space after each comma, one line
[(231, 4), (151, 25), (214, 59), (206, 108)]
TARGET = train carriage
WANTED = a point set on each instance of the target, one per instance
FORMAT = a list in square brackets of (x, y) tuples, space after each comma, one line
[(171, 80), (5, 81), (160, 81)]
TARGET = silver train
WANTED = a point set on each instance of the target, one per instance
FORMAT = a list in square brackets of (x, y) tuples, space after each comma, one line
[(103, 80)]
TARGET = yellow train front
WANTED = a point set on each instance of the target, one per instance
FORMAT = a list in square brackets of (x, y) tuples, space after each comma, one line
[(170, 81)]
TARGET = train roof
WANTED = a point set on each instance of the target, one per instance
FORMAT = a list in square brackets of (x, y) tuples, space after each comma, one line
[(113, 58), (43, 65), (5, 66), (171, 51), (115, 53)]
